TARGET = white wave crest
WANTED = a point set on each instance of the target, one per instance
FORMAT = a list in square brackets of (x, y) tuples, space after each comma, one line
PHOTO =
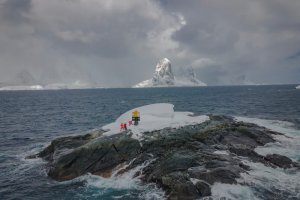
[(126, 181), (222, 191), (287, 144), (262, 180), (284, 183), (274, 125)]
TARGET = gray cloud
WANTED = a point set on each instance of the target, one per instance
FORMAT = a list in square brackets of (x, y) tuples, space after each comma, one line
[(246, 38), (15, 10), (117, 43)]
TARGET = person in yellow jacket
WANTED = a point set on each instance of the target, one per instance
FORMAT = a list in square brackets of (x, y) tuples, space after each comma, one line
[(135, 117)]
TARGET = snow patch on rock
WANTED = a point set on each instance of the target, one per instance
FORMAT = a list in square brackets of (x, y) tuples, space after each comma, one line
[(154, 117)]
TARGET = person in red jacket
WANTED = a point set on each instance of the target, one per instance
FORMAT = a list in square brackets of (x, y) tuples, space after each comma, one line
[(121, 127)]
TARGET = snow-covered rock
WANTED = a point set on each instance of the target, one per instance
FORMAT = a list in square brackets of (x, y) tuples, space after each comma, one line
[(298, 87), (154, 117), (164, 77), (163, 73)]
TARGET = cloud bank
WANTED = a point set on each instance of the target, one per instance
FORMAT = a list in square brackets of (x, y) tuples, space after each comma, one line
[(117, 43)]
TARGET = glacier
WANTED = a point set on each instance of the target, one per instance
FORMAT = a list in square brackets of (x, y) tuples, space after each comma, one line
[(21, 87), (52, 86)]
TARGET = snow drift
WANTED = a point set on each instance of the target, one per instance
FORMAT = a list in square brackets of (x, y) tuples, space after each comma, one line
[(155, 117)]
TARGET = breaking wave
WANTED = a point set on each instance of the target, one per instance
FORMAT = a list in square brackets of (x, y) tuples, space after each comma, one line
[(287, 144), (125, 185), (263, 182)]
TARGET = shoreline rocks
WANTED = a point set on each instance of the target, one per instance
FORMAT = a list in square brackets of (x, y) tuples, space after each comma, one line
[(185, 162)]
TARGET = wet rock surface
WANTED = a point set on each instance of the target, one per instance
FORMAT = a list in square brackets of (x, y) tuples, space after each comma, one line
[(185, 162), (281, 161)]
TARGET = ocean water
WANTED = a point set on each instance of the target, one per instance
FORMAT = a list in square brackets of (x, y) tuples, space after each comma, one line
[(29, 120)]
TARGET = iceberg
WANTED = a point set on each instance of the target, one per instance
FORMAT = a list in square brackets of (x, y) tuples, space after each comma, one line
[(298, 87)]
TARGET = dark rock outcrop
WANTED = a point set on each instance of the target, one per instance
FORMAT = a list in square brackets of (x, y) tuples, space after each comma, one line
[(178, 156), (203, 188), (99, 157), (280, 161), (63, 145)]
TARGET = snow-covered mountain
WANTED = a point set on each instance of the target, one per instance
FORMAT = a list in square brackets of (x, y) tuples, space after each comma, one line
[(25, 80), (164, 77)]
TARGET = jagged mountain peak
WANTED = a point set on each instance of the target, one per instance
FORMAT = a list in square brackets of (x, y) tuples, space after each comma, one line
[(162, 64), (164, 77), (163, 74)]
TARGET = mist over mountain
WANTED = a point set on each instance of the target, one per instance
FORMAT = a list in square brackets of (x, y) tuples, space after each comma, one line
[(24, 80), (186, 76)]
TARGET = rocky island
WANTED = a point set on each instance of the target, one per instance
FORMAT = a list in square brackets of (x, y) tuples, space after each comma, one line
[(183, 154)]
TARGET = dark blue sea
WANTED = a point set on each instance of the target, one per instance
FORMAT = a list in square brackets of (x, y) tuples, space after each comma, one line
[(29, 120)]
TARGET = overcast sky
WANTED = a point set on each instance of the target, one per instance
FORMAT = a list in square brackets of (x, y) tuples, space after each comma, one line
[(116, 43)]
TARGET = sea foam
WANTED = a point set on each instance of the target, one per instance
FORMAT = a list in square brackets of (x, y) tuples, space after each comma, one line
[(129, 180), (287, 144), (260, 180)]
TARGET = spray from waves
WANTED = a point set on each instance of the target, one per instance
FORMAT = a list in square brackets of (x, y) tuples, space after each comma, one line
[(260, 182), (20, 166), (287, 144), (120, 185), (284, 127), (289, 147), (19, 175), (280, 183), (222, 191), (263, 182), (124, 181), (125, 185)]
